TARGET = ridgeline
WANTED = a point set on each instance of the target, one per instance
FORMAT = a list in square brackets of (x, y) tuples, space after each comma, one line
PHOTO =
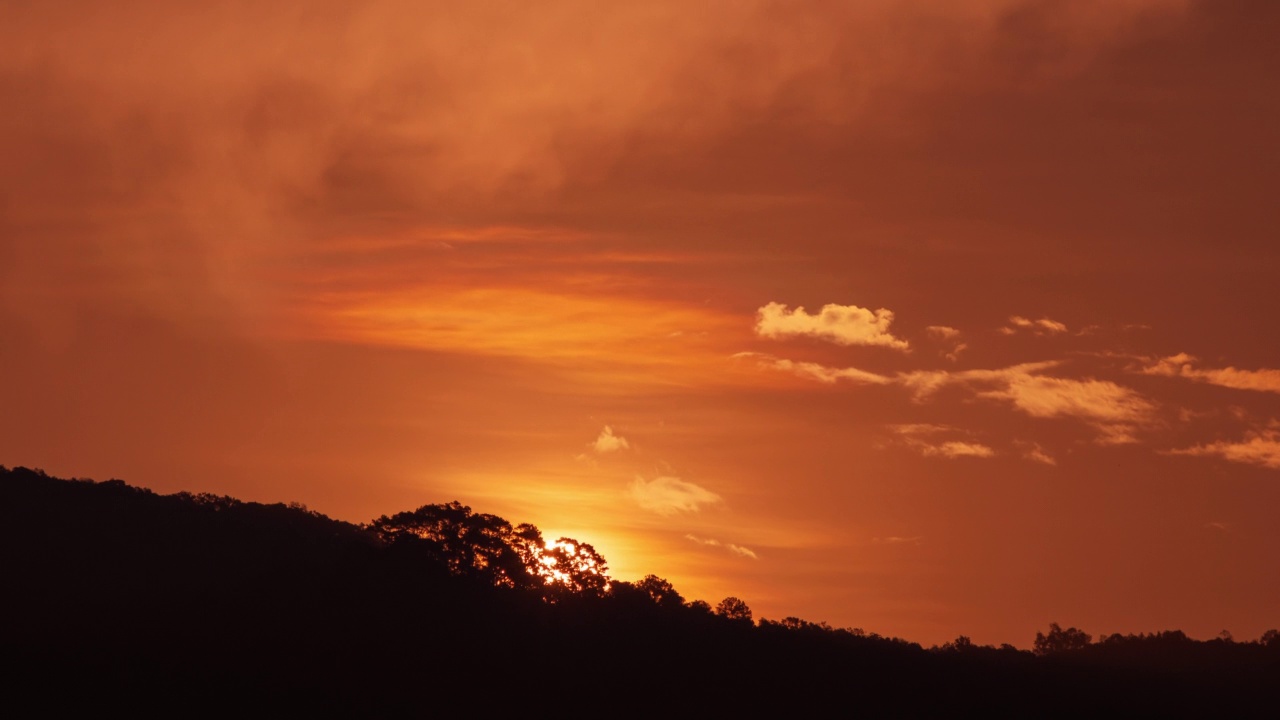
[(120, 598)]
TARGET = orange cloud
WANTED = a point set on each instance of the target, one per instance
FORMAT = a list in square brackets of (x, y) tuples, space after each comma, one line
[(945, 334), (956, 449), (1113, 409), (608, 442), (669, 495), (589, 317), (1043, 326), (1183, 365), (1259, 447), (1035, 453), (840, 324), (816, 371), (913, 435), (735, 549)]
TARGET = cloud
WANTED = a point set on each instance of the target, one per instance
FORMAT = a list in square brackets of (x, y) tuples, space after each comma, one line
[(815, 371), (1116, 411), (669, 495), (1260, 447), (1046, 397), (956, 449), (896, 540), (1043, 326), (1035, 453), (919, 429), (1183, 365), (840, 324), (739, 550), (608, 442), (942, 333), (911, 437)]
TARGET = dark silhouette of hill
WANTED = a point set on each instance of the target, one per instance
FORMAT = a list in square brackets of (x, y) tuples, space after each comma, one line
[(117, 597)]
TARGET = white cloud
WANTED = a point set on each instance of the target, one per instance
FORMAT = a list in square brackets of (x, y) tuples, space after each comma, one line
[(840, 324), (668, 495), (608, 442), (1260, 447), (1183, 365)]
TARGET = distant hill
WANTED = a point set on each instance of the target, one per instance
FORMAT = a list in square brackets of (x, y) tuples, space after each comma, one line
[(191, 604)]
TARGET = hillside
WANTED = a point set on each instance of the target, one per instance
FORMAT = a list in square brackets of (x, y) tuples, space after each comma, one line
[(118, 596)]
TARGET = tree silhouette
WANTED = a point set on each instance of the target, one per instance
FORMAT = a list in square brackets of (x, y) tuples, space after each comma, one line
[(574, 567), (1059, 640), (734, 609), (660, 591), (477, 545)]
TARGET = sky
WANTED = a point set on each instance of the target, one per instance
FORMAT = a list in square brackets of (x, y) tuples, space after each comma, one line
[(924, 318)]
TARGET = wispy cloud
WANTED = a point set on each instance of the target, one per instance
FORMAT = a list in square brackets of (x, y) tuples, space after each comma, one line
[(1183, 365), (1043, 326), (1116, 411), (735, 549), (914, 436), (1043, 396), (840, 324), (945, 334), (1259, 447), (816, 371), (896, 540), (667, 495), (957, 449), (608, 442), (1035, 453)]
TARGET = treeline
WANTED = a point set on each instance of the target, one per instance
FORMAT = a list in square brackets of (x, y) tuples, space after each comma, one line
[(118, 596)]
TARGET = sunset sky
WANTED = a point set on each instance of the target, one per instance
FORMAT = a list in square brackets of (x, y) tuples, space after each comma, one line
[(929, 318)]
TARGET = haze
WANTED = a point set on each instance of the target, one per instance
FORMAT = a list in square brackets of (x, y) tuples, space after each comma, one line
[(925, 318)]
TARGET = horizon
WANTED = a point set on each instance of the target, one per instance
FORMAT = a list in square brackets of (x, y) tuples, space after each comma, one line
[(927, 320)]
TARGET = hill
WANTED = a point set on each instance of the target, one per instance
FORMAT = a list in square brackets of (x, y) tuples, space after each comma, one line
[(120, 597)]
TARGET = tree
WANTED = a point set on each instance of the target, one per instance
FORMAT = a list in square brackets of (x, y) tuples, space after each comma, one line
[(660, 591), (733, 608), (477, 545), (1059, 640), (574, 567)]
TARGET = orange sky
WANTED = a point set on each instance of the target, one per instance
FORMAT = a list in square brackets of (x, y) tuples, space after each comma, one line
[(926, 318)]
